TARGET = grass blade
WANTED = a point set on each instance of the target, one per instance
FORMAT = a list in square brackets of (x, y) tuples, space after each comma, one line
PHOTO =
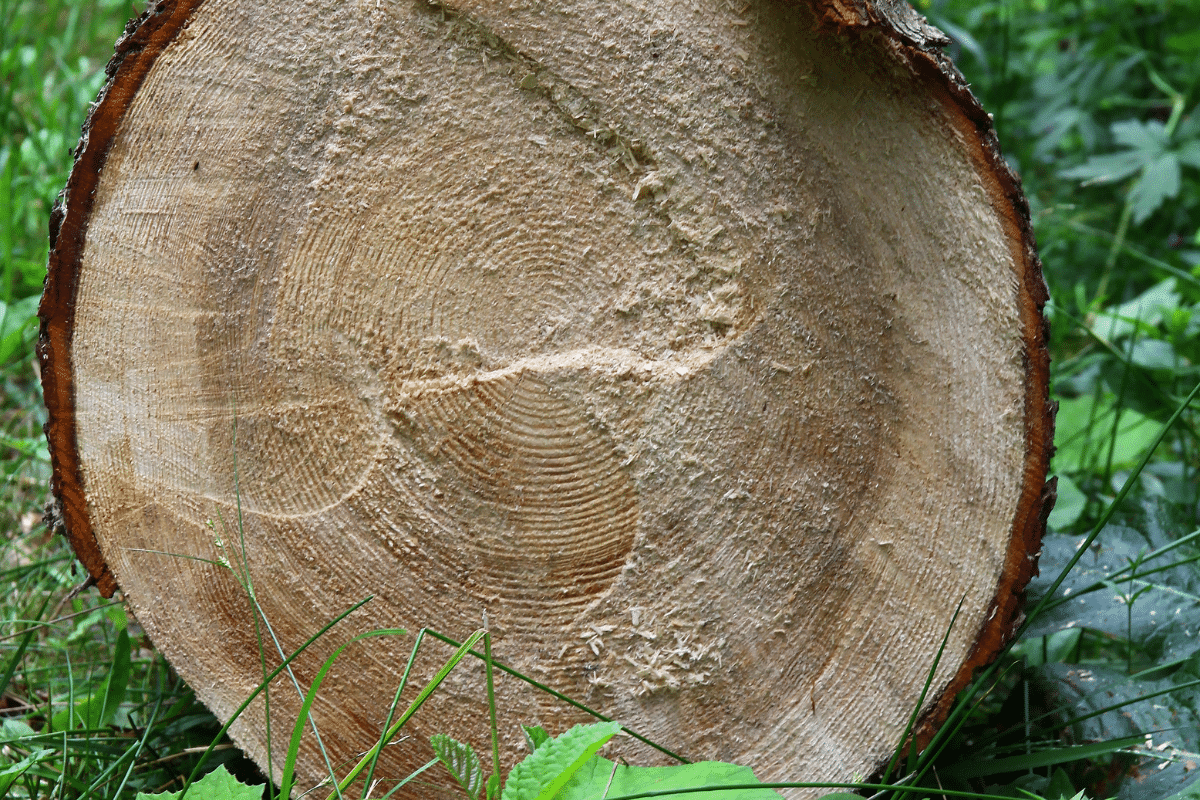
[(289, 767), (262, 686), (429, 688)]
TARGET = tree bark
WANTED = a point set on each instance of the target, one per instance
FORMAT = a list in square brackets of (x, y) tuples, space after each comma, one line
[(698, 345)]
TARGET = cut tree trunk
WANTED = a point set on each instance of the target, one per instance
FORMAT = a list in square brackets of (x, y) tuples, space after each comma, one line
[(697, 344)]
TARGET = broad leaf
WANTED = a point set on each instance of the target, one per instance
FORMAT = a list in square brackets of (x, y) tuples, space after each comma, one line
[(1084, 435), (461, 761), (1146, 309), (620, 780), (1149, 137), (535, 736), (1070, 504), (548, 768), (216, 785), (1159, 180), (1150, 619), (1107, 168)]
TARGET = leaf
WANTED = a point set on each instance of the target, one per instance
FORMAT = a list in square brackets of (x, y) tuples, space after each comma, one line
[(216, 785), (15, 319), (1158, 181), (1107, 168), (1190, 153), (1159, 714), (1155, 354), (1159, 620), (1147, 309), (1185, 43), (99, 708), (535, 736), (12, 730), (1070, 504), (461, 761), (1084, 432), (599, 774), (293, 751), (1061, 788), (548, 768), (9, 774), (1149, 137)]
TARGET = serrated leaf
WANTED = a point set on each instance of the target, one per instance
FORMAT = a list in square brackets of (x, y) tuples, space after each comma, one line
[(461, 761), (535, 736), (548, 768), (1107, 168), (1158, 181), (1190, 153), (1150, 136), (216, 785), (592, 780)]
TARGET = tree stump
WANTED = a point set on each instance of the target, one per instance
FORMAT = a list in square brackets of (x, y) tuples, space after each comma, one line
[(698, 345)]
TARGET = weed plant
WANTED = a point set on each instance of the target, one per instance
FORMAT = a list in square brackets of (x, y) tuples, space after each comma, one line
[(1095, 103)]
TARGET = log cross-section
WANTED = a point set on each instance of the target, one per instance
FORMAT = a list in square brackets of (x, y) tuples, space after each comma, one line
[(698, 345)]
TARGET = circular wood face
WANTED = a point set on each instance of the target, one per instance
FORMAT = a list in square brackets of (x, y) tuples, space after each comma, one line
[(700, 350)]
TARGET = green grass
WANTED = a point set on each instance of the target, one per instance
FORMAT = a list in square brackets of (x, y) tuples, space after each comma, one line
[(1096, 106)]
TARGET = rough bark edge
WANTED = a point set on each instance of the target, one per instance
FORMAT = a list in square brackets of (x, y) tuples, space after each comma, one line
[(917, 45), (136, 51)]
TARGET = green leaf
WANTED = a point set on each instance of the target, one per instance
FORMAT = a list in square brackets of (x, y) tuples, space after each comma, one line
[(1107, 168), (289, 764), (1158, 181), (1084, 429), (1155, 354), (99, 708), (15, 320), (1149, 137), (603, 778), (548, 768), (12, 730), (1060, 787), (216, 785), (1147, 309), (1185, 43), (461, 761), (9, 774), (535, 736), (1190, 153), (1070, 504)]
